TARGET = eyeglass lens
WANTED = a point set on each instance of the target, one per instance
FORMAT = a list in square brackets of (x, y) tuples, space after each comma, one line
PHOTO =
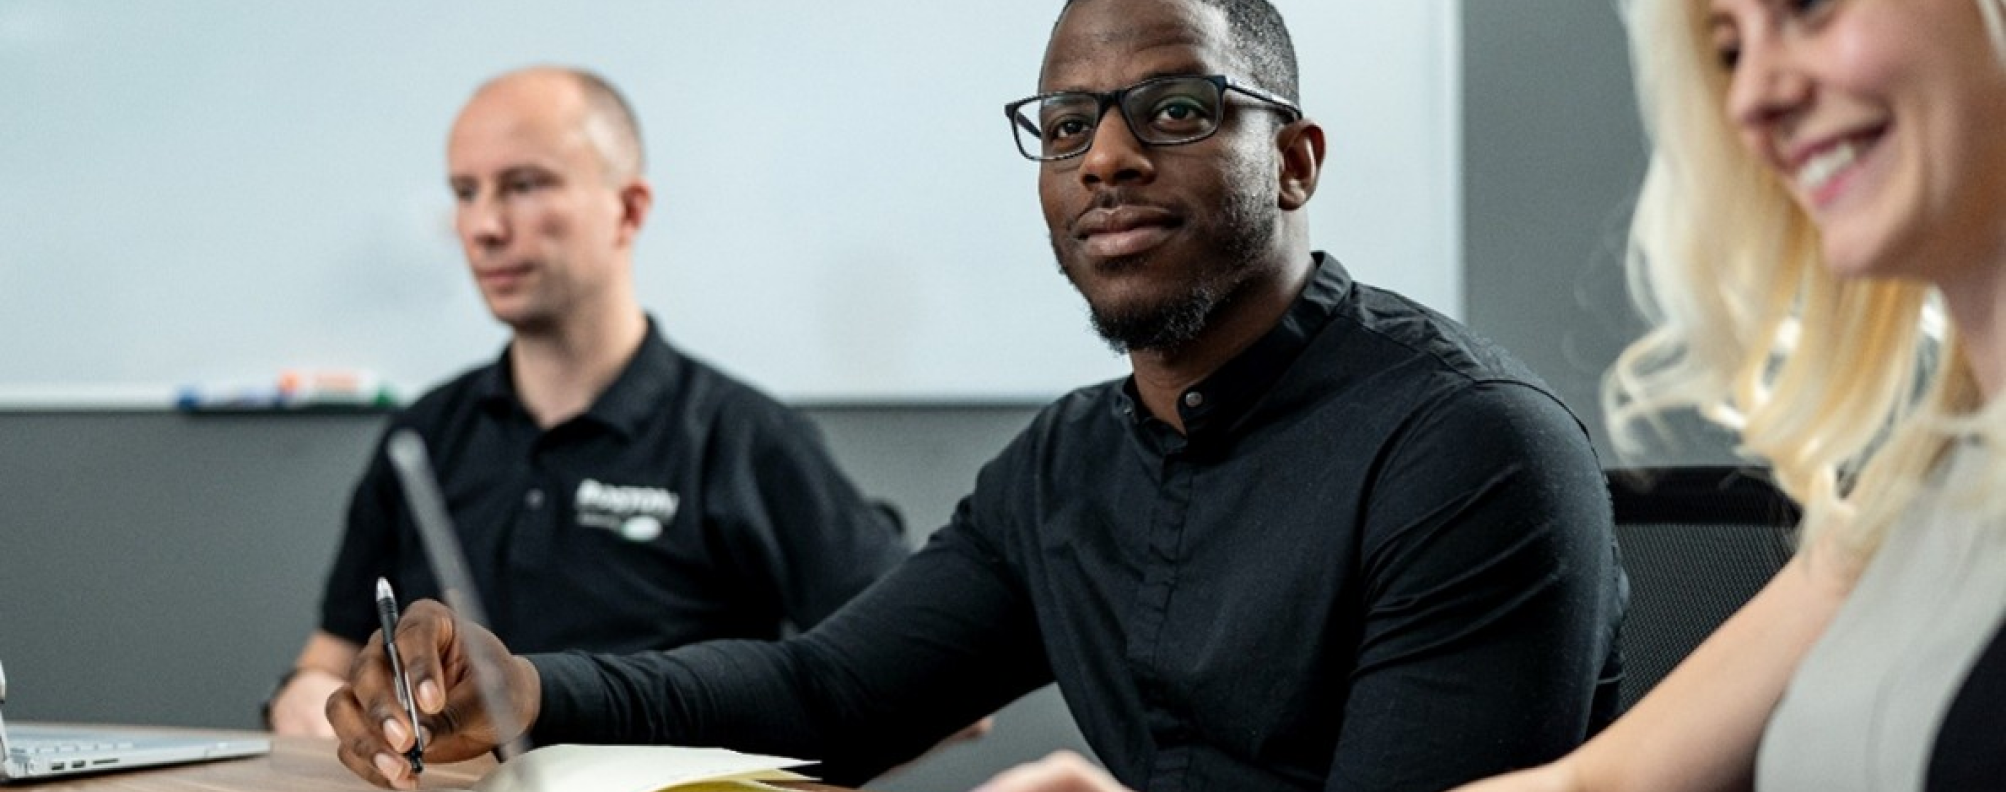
[(1159, 112)]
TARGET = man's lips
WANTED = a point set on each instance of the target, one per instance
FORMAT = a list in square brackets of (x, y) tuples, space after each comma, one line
[(502, 275), (1126, 230)]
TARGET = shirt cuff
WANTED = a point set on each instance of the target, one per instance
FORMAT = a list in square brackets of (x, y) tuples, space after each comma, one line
[(567, 699)]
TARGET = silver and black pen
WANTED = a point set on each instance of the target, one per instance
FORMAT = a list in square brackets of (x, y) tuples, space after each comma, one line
[(386, 610)]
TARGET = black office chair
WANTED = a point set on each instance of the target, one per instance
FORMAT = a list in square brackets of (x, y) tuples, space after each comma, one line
[(1697, 543)]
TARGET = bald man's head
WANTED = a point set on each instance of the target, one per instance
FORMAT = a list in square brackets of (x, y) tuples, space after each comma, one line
[(545, 168), (600, 111)]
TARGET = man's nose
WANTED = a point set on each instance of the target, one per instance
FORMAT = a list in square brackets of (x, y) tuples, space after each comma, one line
[(1116, 156), (482, 223)]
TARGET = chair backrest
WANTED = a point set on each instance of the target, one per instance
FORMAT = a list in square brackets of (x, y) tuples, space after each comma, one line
[(1697, 543)]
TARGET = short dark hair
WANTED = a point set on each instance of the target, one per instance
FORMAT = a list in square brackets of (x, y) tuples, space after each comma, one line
[(1260, 36)]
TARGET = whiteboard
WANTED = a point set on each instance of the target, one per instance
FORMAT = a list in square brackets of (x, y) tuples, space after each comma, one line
[(204, 191)]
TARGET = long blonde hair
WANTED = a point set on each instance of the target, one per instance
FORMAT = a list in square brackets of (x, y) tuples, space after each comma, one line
[(1849, 389)]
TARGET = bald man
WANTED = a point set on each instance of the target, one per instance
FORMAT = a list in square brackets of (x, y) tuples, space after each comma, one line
[(613, 494)]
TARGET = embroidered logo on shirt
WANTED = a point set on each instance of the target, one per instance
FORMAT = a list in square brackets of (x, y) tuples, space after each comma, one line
[(635, 513)]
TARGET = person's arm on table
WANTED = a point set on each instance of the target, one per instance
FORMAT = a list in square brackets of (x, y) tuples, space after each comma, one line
[(816, 541), (947, 638), (299, 707), (1697, 731), (1488, 591)]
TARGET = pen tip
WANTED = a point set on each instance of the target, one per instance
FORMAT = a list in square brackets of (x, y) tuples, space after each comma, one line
[(383, 589)]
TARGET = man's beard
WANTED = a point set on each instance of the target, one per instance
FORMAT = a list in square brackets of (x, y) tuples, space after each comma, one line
[(1247, 227), (1165, 326)]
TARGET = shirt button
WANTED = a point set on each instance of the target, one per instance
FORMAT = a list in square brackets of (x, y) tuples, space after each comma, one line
[(533, 499), (1194, 399)]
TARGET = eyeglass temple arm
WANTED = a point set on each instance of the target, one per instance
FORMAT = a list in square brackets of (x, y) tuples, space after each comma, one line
[(1266, 97), (1016, 120)]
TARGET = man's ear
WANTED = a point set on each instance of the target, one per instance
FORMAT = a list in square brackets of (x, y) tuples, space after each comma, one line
[(1301, 147), (636, 198)]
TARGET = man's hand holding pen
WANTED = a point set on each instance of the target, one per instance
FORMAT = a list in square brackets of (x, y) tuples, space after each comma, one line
[(441, 655), (386, 611)]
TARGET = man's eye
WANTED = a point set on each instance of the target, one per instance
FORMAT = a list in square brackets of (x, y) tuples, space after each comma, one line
[(1729, 57), (1065, 128), (1180, 114), (1180, 110)]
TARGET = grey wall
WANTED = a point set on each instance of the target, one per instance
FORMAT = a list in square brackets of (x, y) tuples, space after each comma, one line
[(163, 568), (1553, 153), (1552, 156), (156, 568)]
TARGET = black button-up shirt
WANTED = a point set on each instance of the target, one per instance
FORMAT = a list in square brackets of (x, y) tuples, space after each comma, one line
[(681, 506), (1381, 559)]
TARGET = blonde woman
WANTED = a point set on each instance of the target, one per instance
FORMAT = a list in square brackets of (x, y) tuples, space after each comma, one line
[(1821, 244)]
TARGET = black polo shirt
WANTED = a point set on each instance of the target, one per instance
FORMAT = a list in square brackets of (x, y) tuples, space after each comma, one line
[(682, 506), (1381, 559)]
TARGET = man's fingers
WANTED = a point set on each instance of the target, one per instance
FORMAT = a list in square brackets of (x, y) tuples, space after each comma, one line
[(360, 744), (375, 729), (461, 728), (397, 735), (424, 634), (374, 770), (431, 697), (425, 639), (371, 694)]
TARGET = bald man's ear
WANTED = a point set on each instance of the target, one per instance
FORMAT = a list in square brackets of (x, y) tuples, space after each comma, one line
[(1301, 146), (636, 198)]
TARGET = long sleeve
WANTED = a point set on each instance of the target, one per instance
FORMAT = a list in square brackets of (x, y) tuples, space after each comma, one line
[(948, 637), (1490, 597)]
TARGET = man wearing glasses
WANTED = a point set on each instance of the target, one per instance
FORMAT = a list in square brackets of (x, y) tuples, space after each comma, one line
[(1321, 538)]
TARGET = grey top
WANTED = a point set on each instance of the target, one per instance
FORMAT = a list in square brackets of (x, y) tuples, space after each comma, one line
[(1863, 711)]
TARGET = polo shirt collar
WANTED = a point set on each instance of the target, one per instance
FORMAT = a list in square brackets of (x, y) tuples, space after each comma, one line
[(635, 395), (494, 386)]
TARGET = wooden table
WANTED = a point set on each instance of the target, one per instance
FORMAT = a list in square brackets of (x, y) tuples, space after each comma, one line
[(296, 764)]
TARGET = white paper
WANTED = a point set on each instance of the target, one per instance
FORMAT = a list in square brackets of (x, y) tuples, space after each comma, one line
[(632, 768)]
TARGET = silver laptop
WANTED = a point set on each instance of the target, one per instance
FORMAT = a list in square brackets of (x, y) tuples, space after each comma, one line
[(35, 752)]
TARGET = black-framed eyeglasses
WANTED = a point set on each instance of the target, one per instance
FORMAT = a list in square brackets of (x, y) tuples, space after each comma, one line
[(1160, 111)]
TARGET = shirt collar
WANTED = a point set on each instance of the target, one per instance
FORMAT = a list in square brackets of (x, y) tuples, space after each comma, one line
[(1218, 402), (635, 394)]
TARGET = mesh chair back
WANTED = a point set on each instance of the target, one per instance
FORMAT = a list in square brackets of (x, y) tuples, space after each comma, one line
[(1697, 543)]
